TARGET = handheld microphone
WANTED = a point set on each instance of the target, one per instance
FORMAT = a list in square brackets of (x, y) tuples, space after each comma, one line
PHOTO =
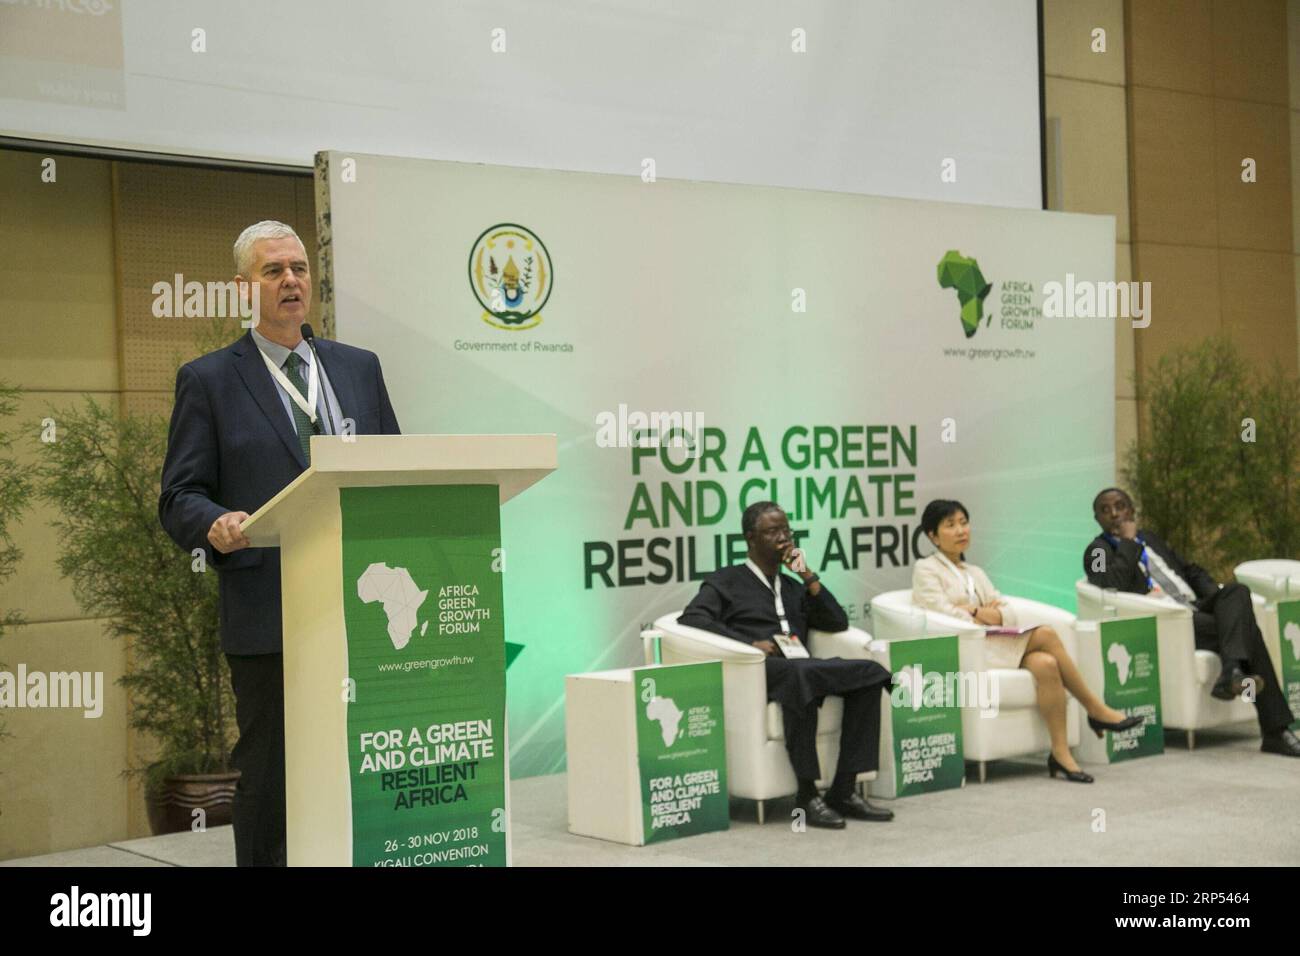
[(309, 337)]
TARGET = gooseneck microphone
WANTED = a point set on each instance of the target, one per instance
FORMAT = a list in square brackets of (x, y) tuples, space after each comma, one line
[(309, 337)]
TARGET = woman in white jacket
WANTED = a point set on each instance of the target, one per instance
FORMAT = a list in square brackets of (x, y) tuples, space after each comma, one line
[(946, 583)]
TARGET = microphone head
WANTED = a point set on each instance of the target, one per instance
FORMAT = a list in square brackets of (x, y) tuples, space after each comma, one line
[(306, 331)]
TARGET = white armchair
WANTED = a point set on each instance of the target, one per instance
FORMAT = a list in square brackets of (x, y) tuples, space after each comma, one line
[(1274, 579), (1015, 728), (758, 767), (1270, 581), (1186, 674)]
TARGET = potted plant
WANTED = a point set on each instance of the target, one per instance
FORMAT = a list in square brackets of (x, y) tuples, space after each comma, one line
[(15, 490), (1218, 467), (101, 472)]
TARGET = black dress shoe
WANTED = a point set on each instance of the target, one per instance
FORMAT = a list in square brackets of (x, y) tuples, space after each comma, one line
[(858, 809), (1074, 776), (821, 815), (1232, 683), (1282, 742), (1126, 724)]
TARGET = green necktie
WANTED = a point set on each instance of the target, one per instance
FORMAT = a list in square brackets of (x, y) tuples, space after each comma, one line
[(301, 420)]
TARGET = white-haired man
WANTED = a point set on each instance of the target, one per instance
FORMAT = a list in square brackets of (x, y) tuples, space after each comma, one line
[(239, 434)]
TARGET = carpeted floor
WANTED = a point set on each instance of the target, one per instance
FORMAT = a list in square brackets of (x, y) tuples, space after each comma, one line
[(1223, 803)]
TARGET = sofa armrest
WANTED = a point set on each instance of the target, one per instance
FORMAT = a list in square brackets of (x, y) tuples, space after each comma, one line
[(938, 624), (1140, 605), (1092, 600), (697, 644), (1060, 620), (853, 644)]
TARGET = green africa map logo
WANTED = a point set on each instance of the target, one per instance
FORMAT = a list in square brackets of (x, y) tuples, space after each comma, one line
[(511, 275), (963, 274)]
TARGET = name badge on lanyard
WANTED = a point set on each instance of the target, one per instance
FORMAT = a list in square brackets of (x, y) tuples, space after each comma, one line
[(965, 576), (786, 642), (308, 404), (780, 605)]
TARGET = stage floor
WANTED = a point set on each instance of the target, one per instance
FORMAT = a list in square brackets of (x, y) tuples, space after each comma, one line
[(1223, 803)]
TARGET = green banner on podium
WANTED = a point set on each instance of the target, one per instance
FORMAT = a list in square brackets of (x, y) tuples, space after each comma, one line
[(426, 663)]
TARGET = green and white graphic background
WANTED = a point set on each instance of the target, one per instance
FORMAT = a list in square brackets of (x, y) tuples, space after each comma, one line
[(678, 296)]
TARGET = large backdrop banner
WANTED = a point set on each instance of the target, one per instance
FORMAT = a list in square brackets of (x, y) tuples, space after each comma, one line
[(698, 347)]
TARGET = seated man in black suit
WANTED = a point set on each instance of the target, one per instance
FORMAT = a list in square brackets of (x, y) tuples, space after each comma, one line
[(1129, 559), (753, 602)]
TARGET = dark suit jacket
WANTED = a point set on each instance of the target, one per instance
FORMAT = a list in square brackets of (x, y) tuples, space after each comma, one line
[(733, 602), (1124, 568), (231, 447)]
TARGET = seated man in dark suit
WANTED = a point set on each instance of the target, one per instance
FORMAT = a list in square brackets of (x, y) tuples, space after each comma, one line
[(754, 603), (1129, 559), (240, 432)]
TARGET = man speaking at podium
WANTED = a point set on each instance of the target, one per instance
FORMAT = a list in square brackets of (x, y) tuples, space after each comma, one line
[(239, 433)]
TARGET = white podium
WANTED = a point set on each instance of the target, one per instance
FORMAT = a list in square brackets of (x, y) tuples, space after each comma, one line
[(378, 495)]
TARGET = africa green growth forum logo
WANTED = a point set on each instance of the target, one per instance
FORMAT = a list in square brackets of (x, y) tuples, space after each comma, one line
[(963, 274), (510, 273)]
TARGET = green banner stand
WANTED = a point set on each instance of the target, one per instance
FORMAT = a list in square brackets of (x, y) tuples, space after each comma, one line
[(1288, 627), (1122, 657), (647, 753), (681, 750), (921, 739), (392, 576)]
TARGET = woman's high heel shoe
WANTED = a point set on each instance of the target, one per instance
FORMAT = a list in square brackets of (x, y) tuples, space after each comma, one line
[(1128, 723), (1074, 776)]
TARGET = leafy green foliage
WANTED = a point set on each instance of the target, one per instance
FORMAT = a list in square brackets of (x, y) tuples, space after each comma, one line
[(15, 492), (1218, 498), (1268, 471), (102, 474)]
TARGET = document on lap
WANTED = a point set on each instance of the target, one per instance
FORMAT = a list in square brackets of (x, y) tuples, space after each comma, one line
[(790, 645)]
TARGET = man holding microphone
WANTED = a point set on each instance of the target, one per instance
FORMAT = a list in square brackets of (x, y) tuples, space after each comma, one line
[(757, 604)]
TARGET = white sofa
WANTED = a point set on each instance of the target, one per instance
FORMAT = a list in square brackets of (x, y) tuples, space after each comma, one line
[(1016, 728), (758, 767), (1186, 674), (1271, 580), (1274, 579)]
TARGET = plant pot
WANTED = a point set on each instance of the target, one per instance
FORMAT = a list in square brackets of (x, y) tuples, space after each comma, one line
[(171, 808)]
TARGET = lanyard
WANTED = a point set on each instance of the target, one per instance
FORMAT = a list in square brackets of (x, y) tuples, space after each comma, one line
[(780, 605), (308, 404), (964, 575)]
